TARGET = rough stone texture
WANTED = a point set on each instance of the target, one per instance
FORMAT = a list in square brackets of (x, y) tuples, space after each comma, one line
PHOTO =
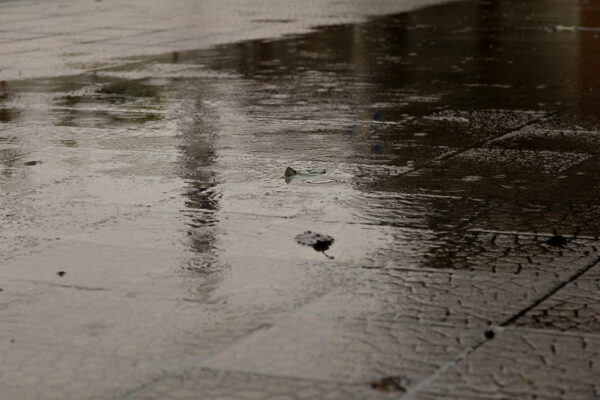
[(523, 365), (458, 299), (567, 219), (457, 140), (574, 308), (58, 372), (490, 173), (198, 383), (339, 349), (491, 252)]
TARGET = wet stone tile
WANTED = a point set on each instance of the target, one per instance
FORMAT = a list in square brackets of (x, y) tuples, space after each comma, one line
[(437, 213), (523, 365), (574, 308), (491, 252), (56, 373), (455, 299), (201, 383), (567, 219), (488, 173), (461, 128), (312, 346), (578, 184), (538, 137)]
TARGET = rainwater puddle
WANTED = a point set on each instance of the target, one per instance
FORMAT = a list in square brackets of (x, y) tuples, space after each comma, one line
[(164, 177)]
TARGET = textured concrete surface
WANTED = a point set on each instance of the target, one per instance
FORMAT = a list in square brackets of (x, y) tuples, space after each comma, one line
[(148, 248)]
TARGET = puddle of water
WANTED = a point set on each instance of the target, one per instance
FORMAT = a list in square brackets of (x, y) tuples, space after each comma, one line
[(369, 103), (414, 117)]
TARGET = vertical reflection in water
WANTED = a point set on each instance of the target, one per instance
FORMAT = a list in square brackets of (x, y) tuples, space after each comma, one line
[(589, 62), (356, 88), (4, 112), (9, 157), (197, 158)]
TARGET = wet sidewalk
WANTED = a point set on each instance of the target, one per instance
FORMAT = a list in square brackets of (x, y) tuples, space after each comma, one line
[(149, 245)]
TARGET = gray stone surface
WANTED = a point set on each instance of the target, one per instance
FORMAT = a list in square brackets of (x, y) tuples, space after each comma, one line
[(567, 219), (573, 308), (456, 299), (523, 365), (147, 240), (491, 252), (197, 383), (340, 349)]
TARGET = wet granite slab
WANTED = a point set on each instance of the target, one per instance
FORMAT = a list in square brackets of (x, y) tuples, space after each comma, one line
[(550, 218), (204, 383), (488, 253), (523, 364), (457, 299), (349, 350), (573, 308), (489, 173), (58, 372)]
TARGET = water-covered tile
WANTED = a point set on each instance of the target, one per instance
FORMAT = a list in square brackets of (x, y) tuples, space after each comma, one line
[(313, 346), (488, 173), (523, 365), (573, 308), (569, 219), (57, 372), (203, 383), (459, 299), (489, 252)]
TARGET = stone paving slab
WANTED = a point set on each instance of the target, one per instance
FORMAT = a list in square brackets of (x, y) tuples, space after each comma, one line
[(566, 219), (405, 324), (489, 173), (149, 326), (542, 137), (203, 383), (575, 185), (310, 346), (520, 364), (404, 210), (459, 299), (459, 129), (574, 308), (488, 252), (48, 372)]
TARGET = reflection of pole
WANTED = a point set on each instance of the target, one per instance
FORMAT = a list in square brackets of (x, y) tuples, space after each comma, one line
[(589, 59), (359, 62), (4, 114)]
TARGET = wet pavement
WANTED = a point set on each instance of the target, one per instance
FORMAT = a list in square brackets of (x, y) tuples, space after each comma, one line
[(153, 245)]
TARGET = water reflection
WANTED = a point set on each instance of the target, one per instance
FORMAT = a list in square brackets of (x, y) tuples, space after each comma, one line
[(197, 159), (5, 114), (421, 121), (589, 62), (108, 101), (413, 105)]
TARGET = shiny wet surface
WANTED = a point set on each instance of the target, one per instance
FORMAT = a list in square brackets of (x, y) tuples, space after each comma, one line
[(457, 142)]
